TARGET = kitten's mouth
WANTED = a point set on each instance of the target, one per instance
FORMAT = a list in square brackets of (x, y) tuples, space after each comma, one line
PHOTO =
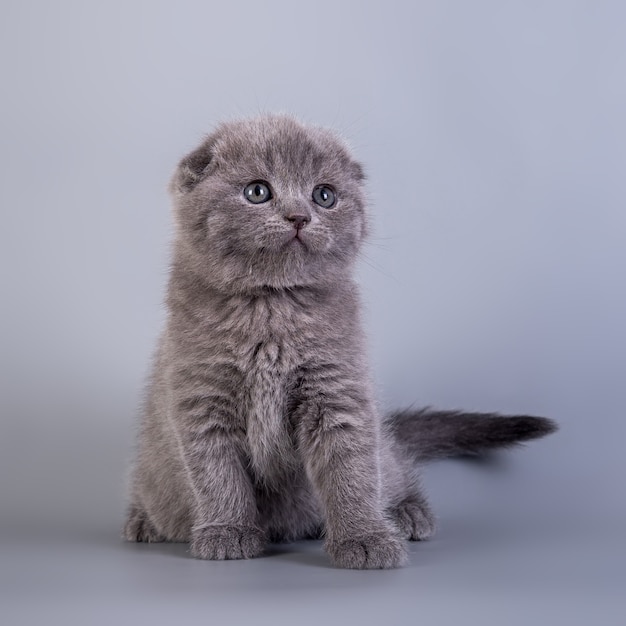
[(296, 240)]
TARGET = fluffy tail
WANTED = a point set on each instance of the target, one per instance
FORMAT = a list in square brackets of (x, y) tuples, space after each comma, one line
[(428, 434)]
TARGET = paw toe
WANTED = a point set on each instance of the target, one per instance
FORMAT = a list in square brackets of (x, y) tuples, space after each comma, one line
[(140, 529), (219, 543), (373, 551), (414, 522)]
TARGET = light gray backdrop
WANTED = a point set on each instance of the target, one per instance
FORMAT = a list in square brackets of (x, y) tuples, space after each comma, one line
[(494, 138)]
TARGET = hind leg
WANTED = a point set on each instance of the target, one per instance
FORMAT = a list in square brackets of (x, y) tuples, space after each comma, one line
[(413, 517), (139, 528)]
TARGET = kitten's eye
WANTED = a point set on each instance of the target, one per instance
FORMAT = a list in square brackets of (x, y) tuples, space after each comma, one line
[(324, 196), (257, 192)]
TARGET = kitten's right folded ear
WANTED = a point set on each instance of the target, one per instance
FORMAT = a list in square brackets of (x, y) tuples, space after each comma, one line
[(194, 167)]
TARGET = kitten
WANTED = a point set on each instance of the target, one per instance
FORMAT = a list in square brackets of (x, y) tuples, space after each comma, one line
[(260, 422)]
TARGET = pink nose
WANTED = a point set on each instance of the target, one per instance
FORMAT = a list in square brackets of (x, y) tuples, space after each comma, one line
[(298, 220)]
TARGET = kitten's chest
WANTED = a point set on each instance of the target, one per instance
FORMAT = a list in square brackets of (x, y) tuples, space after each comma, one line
[(274, 337), (265, 409)]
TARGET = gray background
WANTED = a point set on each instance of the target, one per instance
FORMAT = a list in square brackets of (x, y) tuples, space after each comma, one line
[(494, 137)]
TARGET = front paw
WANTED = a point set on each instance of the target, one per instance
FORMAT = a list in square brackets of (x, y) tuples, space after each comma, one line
[(227, 542), (376, 550)]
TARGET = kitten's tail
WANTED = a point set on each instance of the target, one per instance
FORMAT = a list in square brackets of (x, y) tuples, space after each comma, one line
[(428, 434)]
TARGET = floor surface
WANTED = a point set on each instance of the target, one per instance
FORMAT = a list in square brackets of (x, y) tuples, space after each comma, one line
[(488, 564)]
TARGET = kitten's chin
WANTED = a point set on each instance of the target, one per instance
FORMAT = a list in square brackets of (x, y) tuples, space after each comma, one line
[(297, 269)]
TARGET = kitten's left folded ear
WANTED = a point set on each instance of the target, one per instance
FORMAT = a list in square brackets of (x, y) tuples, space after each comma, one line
[(193, 168), (357, 171)]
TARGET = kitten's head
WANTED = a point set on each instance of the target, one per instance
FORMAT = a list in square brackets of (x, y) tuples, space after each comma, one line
[(268, 202)]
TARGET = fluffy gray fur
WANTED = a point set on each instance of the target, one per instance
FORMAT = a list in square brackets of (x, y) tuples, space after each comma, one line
[(260, 422)]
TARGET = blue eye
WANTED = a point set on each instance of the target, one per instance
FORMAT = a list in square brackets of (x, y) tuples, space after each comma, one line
[(257, 192), (324, 196)]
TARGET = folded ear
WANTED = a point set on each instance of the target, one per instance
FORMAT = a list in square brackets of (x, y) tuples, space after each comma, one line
[(192, 168), (357, 171)]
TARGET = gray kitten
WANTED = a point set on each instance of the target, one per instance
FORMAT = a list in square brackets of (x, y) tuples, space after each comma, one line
[(260, 422)]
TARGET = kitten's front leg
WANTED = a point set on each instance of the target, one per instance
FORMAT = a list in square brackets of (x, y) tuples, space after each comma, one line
[(339, 438), (212, 446)]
